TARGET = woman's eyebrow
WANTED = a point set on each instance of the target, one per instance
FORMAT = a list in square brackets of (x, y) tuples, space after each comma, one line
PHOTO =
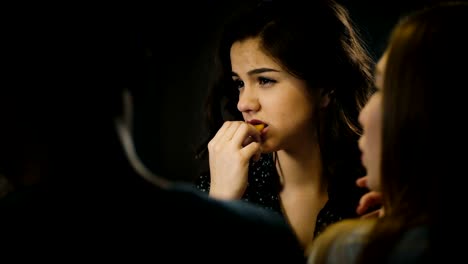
[(256, 71)]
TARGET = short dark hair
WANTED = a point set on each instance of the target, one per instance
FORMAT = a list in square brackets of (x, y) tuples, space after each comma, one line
[(66, 92)]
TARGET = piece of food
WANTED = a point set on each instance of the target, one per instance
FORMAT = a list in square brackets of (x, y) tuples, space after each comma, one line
[(259, 127)]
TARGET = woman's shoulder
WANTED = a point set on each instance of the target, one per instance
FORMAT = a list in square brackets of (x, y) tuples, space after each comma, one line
[(341, 241), (348, 231)]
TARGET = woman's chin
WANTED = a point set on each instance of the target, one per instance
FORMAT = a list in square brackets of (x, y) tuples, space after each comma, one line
[(268, 148)]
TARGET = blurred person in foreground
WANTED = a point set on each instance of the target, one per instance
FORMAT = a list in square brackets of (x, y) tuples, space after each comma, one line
[(79, 190), (410, 130)]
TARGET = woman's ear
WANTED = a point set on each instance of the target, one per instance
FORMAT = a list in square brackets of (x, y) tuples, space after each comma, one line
[(124, 124)]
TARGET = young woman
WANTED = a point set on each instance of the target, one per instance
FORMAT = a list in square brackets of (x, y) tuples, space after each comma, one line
[(302, 72), (408, 145)]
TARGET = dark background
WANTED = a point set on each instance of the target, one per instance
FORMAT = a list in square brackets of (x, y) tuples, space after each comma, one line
[(179, 40)]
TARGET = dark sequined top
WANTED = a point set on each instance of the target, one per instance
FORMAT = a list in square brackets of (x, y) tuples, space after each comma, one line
[(264, 187)]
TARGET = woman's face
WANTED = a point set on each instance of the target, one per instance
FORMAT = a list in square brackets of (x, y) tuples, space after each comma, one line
[(270, 95), (370, 118)]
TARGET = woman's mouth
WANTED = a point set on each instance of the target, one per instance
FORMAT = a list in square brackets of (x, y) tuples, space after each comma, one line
[(258, 124)]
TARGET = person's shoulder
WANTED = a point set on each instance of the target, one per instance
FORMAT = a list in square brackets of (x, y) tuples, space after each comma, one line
[(348, 231), (259, 233), (235, 211), (183, 223), (341, 241)]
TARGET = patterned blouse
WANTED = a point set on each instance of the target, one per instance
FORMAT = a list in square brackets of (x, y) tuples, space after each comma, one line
[(264, 187)]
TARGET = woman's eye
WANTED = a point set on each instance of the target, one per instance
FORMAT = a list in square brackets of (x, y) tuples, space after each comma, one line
[(238, 84), (265, 81)]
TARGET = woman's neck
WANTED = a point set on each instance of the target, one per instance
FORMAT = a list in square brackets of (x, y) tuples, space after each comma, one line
[(301, 167), (304, 191)]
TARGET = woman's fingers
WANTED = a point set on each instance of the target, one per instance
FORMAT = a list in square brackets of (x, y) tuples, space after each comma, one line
[(362, 182), (369, 200), (245, 135), (252, 150)]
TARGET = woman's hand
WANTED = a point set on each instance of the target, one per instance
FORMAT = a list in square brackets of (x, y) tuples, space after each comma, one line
[(369, 200), (230, 151)]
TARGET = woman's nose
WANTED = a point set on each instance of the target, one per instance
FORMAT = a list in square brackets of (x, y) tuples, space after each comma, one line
[(248, 100)]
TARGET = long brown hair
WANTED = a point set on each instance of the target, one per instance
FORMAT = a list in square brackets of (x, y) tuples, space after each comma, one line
[(420, 78)]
